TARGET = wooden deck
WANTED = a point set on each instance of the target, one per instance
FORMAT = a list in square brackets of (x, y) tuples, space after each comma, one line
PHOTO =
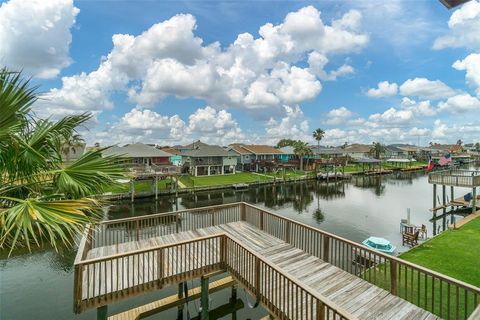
[(359, 297), (294, 270)]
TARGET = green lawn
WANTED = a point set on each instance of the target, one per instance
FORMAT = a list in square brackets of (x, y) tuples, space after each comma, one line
[(454, 253), (242, 177), (289, 174), (140, 186)]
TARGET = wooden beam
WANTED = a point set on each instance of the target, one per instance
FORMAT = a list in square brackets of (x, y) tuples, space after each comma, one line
[(171, 301)]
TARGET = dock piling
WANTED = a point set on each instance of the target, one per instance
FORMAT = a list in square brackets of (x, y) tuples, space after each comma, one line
[(204, 298), (102, 312)]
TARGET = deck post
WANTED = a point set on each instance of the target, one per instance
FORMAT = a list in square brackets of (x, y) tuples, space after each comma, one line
[(102, 312), (444, 210), (287, 232), (326, 248), (320, 310), (242, 211), (434, 206), (132, 190), (233, 297), (204, 298), (474, 200), (180, 296), (261, 220), (452, 195), (257, 277), (393, 277)]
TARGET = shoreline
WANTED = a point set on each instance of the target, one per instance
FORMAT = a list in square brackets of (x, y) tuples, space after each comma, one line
[(248, 185)]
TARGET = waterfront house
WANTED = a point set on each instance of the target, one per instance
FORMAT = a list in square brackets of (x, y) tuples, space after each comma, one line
[(142, 157), (358, 151), (288, 154), (326, 152), (394, 152), (256, 157), (176, 157), (201, 159)]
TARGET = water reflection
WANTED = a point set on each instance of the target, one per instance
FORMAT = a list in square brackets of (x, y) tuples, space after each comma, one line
[(39, 285)]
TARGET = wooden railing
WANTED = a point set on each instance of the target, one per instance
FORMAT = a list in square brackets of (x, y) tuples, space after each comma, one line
[(442, 295), (107, 279), (455, 177), (113, 232)]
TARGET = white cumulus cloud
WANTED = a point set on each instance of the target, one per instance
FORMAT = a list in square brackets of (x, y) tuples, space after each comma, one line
[(426, 89), (460, 103), (471, 64), (35, 35), (168, 59), (464, 25), (385, 89)]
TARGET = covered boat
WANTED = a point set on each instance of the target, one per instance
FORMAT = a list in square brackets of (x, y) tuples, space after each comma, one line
[(379, 244)]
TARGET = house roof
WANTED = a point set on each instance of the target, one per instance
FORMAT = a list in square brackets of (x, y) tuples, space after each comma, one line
[(393, 148), (136, 150), (238, 148), (287, 150), (172, 150), (326, 150), (261, 149), (194, 145), (353, 148), (206, 150)]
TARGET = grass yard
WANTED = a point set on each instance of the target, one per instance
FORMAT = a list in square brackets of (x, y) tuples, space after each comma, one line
[(289, 174), (454, 253), (140, 186), (241, 177)]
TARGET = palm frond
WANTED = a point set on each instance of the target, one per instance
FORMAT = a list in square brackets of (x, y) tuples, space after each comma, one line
[(88, 175), (34, 220), (16, 98)]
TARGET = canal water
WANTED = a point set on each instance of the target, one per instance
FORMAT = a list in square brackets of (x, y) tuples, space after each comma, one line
[(40, 285)]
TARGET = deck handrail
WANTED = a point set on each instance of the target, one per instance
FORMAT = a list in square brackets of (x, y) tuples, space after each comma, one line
[(171, 213), (326, 302), (340, 252), (378, 253)]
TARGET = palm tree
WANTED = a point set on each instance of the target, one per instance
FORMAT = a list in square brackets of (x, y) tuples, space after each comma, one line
[(377, 149), (41, 198), (71, 144), (301, 149), (318, 135)]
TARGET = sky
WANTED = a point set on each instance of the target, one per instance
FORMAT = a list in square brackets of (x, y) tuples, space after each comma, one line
[(171, 72)]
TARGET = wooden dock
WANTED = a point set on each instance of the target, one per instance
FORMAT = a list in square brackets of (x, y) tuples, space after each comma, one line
[(295, 271)]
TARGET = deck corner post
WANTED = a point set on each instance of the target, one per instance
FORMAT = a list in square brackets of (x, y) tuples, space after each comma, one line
[(161, 264), (261, 219), (102, 312), (223, 251), (77, 288), (243, 211), (326, 248), (320, 310), (474, 199), (393, 277), (287, 232)]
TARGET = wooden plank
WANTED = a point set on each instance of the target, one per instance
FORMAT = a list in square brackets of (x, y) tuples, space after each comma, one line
[(347, 290)]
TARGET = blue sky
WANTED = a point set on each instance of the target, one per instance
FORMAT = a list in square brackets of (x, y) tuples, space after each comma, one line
[(170, 72)]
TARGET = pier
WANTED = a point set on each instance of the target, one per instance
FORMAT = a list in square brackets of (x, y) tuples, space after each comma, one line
[(293, 270), (453, 178)]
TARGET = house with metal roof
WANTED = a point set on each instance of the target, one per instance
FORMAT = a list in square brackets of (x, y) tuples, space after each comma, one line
[(201, 159), (358, 151)]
